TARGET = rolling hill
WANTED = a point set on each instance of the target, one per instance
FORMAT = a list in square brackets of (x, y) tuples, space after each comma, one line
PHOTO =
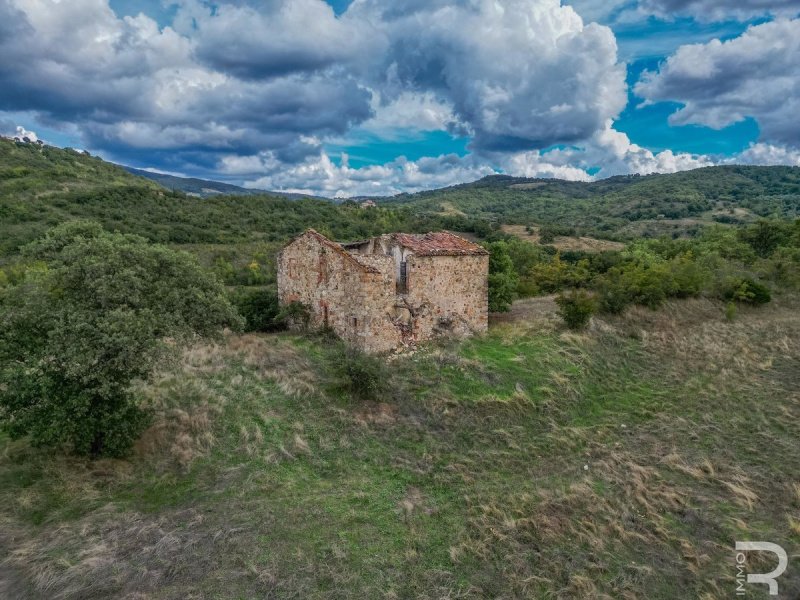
[(620, 460), (623, 207), (205, 188)]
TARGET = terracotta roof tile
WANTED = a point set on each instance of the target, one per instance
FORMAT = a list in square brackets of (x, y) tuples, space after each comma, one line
[(440, 243)]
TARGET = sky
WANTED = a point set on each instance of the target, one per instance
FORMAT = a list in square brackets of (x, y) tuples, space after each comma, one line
[(378, 97)]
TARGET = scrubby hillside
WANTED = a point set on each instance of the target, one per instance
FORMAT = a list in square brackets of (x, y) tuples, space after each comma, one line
[(625, 207), (619, 460), (43, 186), (205, 188), (533, 462)]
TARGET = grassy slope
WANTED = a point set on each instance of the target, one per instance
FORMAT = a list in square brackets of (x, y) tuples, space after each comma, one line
[(625, 207), (530, 462)]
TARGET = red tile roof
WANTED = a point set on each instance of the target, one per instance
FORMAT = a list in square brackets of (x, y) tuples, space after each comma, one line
[(440, 243)]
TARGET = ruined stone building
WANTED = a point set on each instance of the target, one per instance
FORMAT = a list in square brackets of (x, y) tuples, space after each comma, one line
[(389, 291)]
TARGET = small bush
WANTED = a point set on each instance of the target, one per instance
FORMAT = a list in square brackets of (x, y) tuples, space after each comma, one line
[(748, 291), (730, 310), (294, 314), (260, 309), (359, 375), (613, 297), (576, 308), (546, 236)]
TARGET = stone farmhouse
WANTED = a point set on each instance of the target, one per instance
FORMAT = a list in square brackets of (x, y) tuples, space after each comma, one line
[(390, 291)]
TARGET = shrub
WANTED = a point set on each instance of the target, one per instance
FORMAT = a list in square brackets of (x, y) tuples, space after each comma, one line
[(99, 311), (730, 310), (612, 295), (503, 278), (765, 236), (558, 274), (576, 308), (259, 308), (294, 314), (359, 375), (747, 290), (546, 235)]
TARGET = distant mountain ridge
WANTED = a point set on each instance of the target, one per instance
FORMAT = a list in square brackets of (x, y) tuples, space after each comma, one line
[(205, 188), (622, 207)]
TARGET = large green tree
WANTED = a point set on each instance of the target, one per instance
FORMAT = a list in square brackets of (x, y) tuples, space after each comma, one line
[(503, 278), (93, 312)]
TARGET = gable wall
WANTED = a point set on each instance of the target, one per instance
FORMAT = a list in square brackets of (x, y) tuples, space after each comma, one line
[(450, 293), (357, 302)]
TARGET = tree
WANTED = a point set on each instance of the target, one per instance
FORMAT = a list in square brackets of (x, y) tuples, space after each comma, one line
[(576, 308), (765, 236), (503, 278), (94, 312)]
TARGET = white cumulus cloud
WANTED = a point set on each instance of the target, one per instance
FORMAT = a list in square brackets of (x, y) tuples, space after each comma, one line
[(719, 83)]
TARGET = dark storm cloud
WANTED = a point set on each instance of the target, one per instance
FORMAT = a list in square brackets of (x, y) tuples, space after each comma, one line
[(129, 86), (276, 39)]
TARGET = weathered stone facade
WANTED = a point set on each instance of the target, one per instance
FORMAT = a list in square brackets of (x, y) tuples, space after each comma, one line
[(390, 291)]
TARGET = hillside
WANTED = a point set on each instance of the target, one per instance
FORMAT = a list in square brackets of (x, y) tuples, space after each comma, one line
[(624, 207), (41, 186), (620, 458), (530, 462), (204, 187)]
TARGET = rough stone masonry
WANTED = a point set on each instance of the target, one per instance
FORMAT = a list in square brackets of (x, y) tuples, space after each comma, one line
[(389, 291)]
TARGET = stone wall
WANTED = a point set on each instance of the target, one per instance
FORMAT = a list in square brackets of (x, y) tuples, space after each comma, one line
[(356, 294), (449, 293), (353, 296)]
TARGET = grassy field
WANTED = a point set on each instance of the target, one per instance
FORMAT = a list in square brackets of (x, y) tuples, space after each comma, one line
[(621, 462), (562, 242)]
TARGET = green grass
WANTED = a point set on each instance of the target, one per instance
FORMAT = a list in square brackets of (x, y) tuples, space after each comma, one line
[(530, 462)]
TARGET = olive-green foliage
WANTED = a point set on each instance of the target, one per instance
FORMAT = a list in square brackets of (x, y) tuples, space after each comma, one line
[(576, 308), (558, 274), (360, 376), (765, 236), (294, 314), (744, 289), (730, 311), (503, 278), (624, 207), (93, 312), (58, 185), (259, 307)]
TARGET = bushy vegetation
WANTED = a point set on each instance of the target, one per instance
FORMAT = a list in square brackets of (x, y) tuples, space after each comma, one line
[(283, 465), (728, 264), (624, 207), (59, 185), (576, 308), (359, 376), (259, 307), (89, 313), (503, 278)]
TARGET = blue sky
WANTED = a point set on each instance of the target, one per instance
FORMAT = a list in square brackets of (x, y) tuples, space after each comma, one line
[(381, 97)]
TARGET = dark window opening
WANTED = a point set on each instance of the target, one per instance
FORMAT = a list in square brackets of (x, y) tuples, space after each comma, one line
[(402, 283), (355, 321), (325, 315)]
